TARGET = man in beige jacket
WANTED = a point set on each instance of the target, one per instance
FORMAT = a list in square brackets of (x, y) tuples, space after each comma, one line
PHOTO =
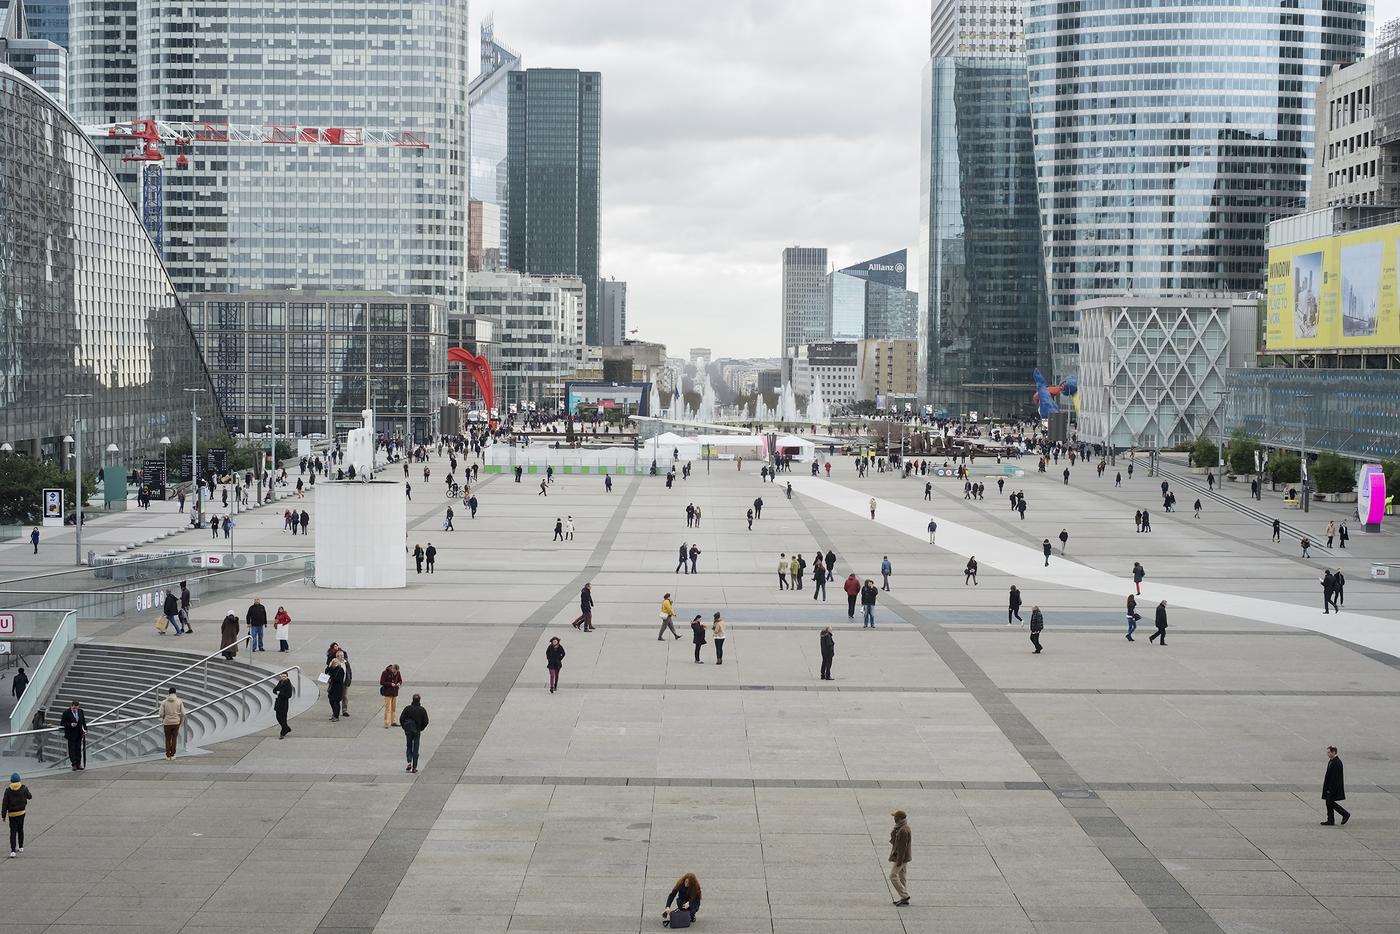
[(172, 717), (901, 851)]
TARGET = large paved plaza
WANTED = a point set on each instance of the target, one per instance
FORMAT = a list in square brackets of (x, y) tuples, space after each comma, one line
[(1104, 785)]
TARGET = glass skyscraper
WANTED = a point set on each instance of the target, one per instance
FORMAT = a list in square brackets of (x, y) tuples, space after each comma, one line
[(1167, 136), (488, 103), (553, 141), (259, 217), (982, 302), (48, 20), (85, 306), (868, 300), (806, 310)]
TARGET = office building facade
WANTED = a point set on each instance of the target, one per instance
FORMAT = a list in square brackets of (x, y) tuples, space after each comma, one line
[(85, 306), (612, 315), (806, 309), (533, 323), (242, 217), (553, 142), (488, 107), (869, 300), (41, 60), (982, 311), (830, 363), (888, 369), (1166, 138), (1153, 368), (309, 362)]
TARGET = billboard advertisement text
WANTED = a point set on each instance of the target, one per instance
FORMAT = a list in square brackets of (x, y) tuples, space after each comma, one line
[(1338, 291)]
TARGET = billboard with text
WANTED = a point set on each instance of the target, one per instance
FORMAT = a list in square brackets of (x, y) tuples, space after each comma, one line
[(1335, 292)]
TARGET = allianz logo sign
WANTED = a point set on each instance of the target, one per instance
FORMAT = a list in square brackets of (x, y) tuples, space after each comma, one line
[(885, 267)]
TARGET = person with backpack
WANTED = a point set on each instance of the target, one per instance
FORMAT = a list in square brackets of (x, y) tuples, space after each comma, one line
[(413, 720), (1138, 575), (13, 805), (1037, 626), (1013, 605)]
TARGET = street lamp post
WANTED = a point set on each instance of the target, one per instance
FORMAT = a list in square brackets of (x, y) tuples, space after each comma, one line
[(78, 472), (1303, 448), (1224, 396), (164, 464), (194, 458)]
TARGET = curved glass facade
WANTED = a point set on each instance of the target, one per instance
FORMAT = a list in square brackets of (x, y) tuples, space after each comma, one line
[(85, 305), (1168, 134)]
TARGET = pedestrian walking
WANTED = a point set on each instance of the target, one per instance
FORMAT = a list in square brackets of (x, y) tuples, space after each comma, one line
[(970, 571), (1342, 535), (1133, 616), (868, 595), (413, 721), (1066, 476), (1045, 547), (689, 515), (799, 567), (429, 557), (418, 558), (872, 505), (718, 628), (544, 488), (172, 716), (750, 518), (1331, 533), (20, 682), (34, 538), (1064, 540), (558, 529), (685, 895), (852, 588), (390, 680), (257, 623), (694, 557), (819, 577), (15, 803), (1138, 575), (886, 569), (1339, 581), (74, 724), (1161, 621), (1277, 526), (1037, 626), (901, 853), (282, 629), (683, 563), (554, 661), (1333, 790), (185, 607), (932, 530), (584, 620), (281, 703), (1306, 543), (228, 635), (697, 636), (335, 686), (447, 522), (607, 484), (828, 650), (928, 491), (758, 508), (1137, 520), (1013, 605), (783, 565), (668, 618), (830, 564)]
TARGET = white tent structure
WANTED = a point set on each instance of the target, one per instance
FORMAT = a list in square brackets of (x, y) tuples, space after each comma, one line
[(667, 442), (798, 448), (727, 446)]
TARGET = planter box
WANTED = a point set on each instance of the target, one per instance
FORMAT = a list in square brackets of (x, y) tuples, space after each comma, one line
[(1335, 497)]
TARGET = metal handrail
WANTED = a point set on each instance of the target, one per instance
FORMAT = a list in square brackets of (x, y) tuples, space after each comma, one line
[(130, 700), (210, 703)]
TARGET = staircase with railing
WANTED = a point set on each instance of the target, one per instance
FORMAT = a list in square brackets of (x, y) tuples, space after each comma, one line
[(119, 688)]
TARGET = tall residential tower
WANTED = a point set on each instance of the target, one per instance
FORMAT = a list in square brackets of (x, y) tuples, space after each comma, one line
[(806, 312), (487, 101)]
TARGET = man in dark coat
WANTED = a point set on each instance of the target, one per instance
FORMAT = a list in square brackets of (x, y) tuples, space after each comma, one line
[(257, 623), (828, 652), (228, 634), (1161, 621), (1334, 789), (430, 556), (281, 701), (74, 723)]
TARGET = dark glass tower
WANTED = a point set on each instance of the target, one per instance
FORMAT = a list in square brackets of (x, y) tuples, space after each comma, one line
[(553, 136), (983, 318)]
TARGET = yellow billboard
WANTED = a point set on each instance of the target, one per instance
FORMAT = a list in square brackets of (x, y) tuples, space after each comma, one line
[(1332, 292)]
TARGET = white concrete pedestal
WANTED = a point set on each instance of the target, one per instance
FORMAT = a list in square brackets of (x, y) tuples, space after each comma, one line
[(360, 534)]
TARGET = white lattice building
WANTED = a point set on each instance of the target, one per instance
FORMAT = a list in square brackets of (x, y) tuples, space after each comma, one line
[(1151, 366)]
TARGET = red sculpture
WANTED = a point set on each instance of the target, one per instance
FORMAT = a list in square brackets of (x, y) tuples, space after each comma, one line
[(480, 371)]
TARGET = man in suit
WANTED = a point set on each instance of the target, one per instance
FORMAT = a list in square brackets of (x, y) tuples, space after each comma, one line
[(74, 723), (1334, 789)]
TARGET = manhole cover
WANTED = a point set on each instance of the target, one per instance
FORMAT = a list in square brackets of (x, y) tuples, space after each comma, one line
[(705, 817)]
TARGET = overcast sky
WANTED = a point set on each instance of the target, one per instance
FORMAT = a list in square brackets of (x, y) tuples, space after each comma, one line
[(734, 128)]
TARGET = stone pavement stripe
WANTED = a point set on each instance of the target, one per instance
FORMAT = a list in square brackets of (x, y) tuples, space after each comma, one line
[(372, 885), (1173, 907), (458, 510)]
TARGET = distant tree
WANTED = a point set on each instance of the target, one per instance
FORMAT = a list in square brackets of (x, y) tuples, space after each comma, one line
[(22, 484), (1241, 452), (1283, 468), (1334, 474)]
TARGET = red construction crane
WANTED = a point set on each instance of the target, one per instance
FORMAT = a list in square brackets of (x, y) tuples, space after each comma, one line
[(151, 133)]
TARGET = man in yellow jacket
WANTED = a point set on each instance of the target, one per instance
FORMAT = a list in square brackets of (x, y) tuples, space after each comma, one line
[(668, 618)]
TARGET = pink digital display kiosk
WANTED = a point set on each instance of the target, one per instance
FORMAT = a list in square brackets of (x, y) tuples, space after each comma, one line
[(1370, 496)]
